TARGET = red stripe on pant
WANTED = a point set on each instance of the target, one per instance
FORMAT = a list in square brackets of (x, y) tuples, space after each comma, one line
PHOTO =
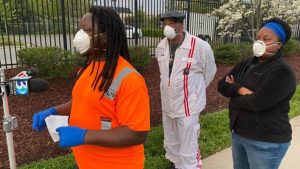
[(199, 164)]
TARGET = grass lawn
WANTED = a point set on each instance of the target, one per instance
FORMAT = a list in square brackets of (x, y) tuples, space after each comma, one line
[(215, 136)]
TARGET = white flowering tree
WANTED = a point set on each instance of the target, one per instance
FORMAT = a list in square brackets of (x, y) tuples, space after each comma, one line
[(245, 16)]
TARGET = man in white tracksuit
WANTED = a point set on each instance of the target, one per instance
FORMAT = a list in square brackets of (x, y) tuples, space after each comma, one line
[(187, 66)]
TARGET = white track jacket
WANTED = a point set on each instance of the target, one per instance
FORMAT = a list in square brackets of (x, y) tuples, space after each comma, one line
[(184, 92)]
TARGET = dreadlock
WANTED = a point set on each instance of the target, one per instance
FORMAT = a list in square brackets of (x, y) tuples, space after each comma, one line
[(108, 22)]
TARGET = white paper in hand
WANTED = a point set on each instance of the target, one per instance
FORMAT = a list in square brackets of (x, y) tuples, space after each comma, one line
[(53, 122)]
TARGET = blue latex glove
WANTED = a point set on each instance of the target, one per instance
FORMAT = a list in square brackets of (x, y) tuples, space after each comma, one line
[(38, 119), (70, 136)]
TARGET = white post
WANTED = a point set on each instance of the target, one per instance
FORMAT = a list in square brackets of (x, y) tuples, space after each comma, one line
[(7, 123)]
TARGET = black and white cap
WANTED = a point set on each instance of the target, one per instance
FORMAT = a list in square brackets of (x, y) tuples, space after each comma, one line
[(173, 14)]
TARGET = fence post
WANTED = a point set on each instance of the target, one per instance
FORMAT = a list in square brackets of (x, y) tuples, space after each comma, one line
[(136, 22), (188, 16), (63, 17)]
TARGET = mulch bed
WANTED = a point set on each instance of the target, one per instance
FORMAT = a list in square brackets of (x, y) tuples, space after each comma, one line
[(32, 146)]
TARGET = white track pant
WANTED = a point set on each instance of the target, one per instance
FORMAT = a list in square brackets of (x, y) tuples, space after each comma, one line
[(181, 141)]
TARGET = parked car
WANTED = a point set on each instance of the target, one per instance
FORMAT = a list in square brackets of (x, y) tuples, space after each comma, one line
[(133, 32)]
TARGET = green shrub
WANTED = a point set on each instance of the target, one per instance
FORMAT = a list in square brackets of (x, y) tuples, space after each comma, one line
[(227, 54), (291, 47), (246, 50), (52, 62), (140, 57), (153, 32), (215, 43)]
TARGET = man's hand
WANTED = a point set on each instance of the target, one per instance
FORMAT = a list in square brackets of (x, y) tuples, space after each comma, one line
[(244, 91), (70, 136)]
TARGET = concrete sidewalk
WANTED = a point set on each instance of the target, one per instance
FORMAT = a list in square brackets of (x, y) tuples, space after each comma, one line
[(223, 159)]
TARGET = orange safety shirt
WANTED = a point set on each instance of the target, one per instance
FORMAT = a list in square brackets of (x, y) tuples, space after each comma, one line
[(130, 107)]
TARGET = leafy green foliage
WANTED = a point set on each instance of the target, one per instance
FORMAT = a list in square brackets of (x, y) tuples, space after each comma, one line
[(291, 47), (142, 20), (52, 62), (232, 54), (205, 6), (139, 18), (140, 57), (153, 32), (246, 50), (227, 54)]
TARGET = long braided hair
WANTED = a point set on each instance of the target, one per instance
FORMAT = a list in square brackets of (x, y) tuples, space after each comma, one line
[(108, 22)]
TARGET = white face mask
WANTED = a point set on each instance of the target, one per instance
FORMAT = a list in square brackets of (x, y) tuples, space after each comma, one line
[(169, 32), (82, 41), (259, 48)]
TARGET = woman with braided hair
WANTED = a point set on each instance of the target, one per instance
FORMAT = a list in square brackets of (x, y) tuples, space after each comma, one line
[(109, 115)]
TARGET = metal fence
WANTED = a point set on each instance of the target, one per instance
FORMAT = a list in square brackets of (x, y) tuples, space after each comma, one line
[(33, 23)]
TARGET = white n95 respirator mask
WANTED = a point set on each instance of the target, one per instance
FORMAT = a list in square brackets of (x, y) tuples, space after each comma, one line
[(82, 41), (170, 32), (259, 48)]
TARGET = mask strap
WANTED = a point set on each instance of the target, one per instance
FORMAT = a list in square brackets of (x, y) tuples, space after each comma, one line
[(269, 53), (276, 43), (98, 49), (175, 29)]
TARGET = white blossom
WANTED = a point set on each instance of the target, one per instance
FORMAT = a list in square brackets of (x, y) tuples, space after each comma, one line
[(239, 16)]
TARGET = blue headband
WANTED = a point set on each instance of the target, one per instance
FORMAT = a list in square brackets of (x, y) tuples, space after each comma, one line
[(277, 29)]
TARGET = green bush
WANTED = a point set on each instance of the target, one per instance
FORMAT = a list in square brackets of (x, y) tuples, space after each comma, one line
[(52, 62), (227, 54), (246, 50), (140, 57), (291, 47), (215, 43), (153, 32)]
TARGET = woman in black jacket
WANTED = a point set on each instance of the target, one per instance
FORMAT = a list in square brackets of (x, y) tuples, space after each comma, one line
[(260, 89)]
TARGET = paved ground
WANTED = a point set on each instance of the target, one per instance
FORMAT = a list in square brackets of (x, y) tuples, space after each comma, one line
[(223, 159)]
